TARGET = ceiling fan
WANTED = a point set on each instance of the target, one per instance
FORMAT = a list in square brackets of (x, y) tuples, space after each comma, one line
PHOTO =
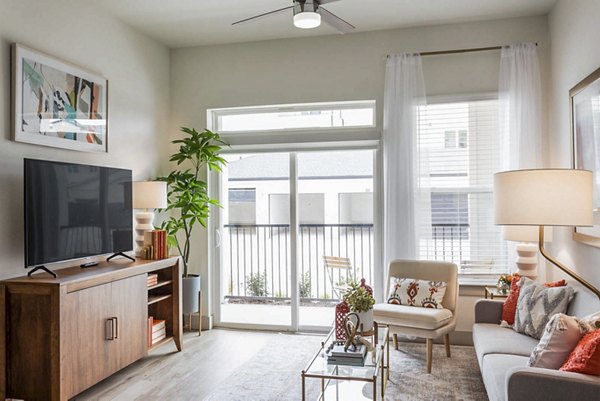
[(308, 14)]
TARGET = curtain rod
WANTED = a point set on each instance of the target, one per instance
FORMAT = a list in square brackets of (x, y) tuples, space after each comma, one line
[(458, 51)]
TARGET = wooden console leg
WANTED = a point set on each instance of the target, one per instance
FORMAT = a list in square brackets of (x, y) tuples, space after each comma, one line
[(447, 344), (395, 341), (429, 354)]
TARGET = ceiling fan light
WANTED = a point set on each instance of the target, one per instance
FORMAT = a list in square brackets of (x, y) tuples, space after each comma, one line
[(307, 20)]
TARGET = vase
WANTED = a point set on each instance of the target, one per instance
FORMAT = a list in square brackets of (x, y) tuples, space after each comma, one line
[(366, 320), (190, 287), (503, 287)]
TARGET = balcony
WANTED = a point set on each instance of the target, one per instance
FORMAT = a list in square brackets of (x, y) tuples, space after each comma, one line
[(257, 260)]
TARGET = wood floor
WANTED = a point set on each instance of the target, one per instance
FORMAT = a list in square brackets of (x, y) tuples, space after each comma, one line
[(192, 374)]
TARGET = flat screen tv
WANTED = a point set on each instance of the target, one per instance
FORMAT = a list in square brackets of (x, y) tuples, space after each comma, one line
[(74, 211)]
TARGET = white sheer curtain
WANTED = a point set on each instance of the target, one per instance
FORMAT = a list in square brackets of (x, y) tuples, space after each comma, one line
[(520, 107), (520, 113), (404, 93)]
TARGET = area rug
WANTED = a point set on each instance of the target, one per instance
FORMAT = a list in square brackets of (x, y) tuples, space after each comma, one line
[(273, 374)]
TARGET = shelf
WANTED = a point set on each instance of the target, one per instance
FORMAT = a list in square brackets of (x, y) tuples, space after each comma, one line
[(161, 342), (160, 284), (158, 298)]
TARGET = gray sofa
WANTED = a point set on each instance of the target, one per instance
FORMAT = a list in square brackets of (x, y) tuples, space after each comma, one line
[(503, 354)]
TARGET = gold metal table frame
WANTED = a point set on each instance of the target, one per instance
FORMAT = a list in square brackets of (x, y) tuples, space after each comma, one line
[(375, 371)]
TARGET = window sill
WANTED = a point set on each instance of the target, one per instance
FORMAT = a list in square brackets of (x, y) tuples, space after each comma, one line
[(477, 281)]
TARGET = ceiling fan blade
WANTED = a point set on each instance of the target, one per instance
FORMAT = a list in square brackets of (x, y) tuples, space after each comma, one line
[(335, 21), (262, 15), (325, 1)]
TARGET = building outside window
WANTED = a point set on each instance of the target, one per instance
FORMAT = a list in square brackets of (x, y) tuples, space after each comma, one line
[(458, 154)]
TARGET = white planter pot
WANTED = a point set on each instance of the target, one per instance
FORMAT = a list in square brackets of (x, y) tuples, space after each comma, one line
[(366, 320), (190, 288)]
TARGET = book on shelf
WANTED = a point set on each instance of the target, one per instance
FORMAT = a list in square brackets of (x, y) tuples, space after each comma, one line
[(150, 323), (158, 324), (152, 279), (155, 245), (159, 334)]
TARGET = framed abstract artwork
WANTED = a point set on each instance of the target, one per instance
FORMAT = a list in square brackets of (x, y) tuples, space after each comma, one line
[(57, 104), (585, 126)]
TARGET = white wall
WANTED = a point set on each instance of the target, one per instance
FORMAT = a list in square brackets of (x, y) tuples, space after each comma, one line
[(574, 34), (336, 68), (137, 69)]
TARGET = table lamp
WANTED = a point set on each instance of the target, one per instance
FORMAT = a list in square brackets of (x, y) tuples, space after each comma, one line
[(147, 195), (527, 249), (545, 197)]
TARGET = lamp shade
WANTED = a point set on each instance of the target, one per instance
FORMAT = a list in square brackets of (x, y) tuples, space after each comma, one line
[(544, 197), (525, 233), (149, 195)]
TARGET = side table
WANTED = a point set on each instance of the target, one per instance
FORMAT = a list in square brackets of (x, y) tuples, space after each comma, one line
[(493, 292)]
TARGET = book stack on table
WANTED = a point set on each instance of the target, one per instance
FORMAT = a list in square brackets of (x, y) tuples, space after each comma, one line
[(354, 356)]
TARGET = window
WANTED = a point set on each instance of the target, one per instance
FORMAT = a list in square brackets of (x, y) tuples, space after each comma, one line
[(458, 155), (449, 215), (242, 205), (294, 117)]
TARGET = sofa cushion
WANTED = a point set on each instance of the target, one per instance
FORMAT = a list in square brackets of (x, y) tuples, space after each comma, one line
[(493, 339), (561, 335), (509, 308), (402, 315), (495, 368), (585, 358), (537, 304), (413, 292)]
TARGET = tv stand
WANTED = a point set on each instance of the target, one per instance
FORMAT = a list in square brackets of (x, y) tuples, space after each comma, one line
[(114, 255), (60, 336), (41, 267)]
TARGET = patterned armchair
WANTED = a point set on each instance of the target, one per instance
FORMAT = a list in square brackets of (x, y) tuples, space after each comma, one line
[(420, 318)]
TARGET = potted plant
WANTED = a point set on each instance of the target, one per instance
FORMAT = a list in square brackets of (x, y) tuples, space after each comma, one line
[(360, 300), (188, 201)]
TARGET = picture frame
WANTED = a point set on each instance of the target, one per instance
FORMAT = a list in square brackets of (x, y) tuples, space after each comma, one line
[(58, 104), (585, 130)]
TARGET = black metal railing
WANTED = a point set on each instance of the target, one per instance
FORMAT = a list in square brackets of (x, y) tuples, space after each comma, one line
[(257, 258)]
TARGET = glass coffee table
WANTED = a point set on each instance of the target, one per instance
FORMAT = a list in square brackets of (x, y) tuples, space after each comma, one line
[(345, 382)]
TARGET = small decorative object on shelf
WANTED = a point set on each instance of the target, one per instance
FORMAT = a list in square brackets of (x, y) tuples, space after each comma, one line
[(341, 310), (359, 298), (504, 283)]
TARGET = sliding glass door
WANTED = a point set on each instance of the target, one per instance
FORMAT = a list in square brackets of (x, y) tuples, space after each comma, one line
[(284, 216)]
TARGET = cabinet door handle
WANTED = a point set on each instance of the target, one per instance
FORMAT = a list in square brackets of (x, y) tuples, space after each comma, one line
[(116, 327), (109, 331)]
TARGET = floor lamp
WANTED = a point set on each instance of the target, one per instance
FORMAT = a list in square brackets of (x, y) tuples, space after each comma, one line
[(147, 195), (526, 238), (545, 197)]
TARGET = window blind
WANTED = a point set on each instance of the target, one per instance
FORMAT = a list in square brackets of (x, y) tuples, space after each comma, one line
[(458, 154)]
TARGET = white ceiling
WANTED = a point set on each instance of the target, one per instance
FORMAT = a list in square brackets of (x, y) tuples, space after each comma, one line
[(181, 23)]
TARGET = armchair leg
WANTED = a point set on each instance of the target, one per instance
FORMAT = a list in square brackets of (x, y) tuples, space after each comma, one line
[(395, 341), (447, 344), (429, 354)]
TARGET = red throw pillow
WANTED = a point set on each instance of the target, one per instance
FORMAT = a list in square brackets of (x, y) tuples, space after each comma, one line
[(509, 308), (559, 283), (585, 358)]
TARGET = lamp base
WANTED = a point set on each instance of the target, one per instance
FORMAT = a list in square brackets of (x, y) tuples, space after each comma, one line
[(527, 260), (143, 223)]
